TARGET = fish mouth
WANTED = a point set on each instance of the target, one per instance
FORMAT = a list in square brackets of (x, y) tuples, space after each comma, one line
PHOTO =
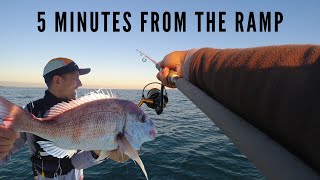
[(153, 134)]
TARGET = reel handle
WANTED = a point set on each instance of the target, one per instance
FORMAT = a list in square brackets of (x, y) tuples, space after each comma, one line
[(145, 100)]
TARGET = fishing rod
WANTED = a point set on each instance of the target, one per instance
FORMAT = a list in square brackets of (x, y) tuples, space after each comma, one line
[(155, 99), (274, 161), (172, 74)]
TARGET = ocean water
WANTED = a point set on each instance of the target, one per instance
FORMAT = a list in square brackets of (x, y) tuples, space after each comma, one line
[(188, 145)]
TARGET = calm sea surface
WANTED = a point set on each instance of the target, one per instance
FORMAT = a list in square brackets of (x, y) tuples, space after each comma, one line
[(188, 145)]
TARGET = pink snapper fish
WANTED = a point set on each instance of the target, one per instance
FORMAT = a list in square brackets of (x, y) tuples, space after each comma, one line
[(96, 121)]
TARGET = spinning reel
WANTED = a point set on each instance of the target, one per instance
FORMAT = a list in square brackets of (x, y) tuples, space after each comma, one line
[(156, 99)]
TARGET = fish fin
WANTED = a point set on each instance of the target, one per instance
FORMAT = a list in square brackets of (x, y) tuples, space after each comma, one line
[(64, 106), (12, 115), (55, 151), (126, 148), (103, 155)]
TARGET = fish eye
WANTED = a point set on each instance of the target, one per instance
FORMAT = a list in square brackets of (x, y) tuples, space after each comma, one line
[(142, 118)]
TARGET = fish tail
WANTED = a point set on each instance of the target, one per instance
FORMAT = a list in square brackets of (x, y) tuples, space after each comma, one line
[(12, 115), (126, 148)]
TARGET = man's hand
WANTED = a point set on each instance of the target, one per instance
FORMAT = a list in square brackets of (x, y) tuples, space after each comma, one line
[(173, 61), (7, 139)]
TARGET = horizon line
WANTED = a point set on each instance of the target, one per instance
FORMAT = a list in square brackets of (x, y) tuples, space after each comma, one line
[(12, 84)]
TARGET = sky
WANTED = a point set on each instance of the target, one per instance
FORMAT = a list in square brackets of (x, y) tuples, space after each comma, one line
[(112, 56)]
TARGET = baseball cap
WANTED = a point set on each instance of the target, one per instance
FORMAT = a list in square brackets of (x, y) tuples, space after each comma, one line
[(60, 66)]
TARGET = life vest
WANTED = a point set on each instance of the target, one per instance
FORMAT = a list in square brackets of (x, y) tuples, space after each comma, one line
[(46, 165)]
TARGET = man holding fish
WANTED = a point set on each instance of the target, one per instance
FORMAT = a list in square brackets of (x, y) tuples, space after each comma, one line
[(66, 135)]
